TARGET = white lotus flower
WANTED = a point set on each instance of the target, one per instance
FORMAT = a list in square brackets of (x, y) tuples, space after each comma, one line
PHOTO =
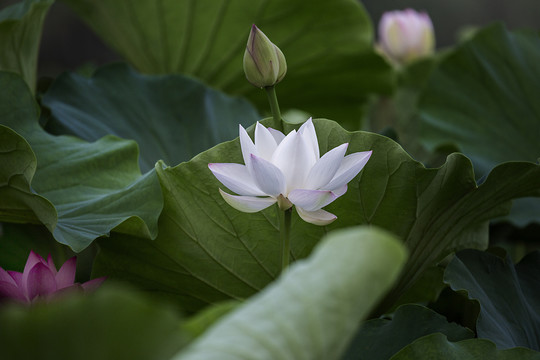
[(288, 170)]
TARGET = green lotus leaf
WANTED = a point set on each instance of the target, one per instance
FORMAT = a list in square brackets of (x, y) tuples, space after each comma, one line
[(20, 33), (172, 118), (313, 310), (436, 346), (483, 97), (379, 339), (112, 323), (207, 252), (94, 187), (508, 294), (332, 67), (19, 202)]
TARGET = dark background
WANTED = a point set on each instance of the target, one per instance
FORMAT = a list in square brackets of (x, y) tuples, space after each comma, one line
[(68, 44)]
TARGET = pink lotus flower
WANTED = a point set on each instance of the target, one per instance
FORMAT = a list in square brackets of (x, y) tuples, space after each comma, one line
[(40, 279), (406, 35)]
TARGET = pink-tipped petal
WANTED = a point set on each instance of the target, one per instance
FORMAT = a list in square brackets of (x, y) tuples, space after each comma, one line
[(9, 287), (278, 135), (66, 275), (236, 178), (11, 291), (17, 277), (32, 260), (50, 264), (311, 200), (264, 142), (268, 177), (247, 145), (325, 168), (350, 167), (248, 204), (40, 281), (6, 277), (318, 217), (93, 284), (307, 131)]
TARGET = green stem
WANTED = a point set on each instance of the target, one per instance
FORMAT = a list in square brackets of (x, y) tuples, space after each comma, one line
[(285, 232), (274, 105)]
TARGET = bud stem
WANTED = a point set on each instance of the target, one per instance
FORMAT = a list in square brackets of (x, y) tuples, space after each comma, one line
[(285, 231), (274, 105)]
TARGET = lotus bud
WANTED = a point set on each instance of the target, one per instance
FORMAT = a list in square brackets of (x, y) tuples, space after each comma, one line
[(264, 63), (406, 35)]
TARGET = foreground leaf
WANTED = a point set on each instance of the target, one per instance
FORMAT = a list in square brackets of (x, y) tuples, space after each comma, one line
[(436, 346), (207, 251), (379, 339), (509, 296), (483, 98), (95, 187), (172, 118), (328, 45), (110, 324), (312, 311), (20, 33)]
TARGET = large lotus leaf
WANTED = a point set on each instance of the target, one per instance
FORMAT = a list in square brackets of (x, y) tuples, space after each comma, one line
[(313, 310), (509, 296), (18, 201), (207, 251), (20, 33), (379, 339), (172, 118), (484, 98), (113, 323), (328, 46), (436, 346), (95, 187)]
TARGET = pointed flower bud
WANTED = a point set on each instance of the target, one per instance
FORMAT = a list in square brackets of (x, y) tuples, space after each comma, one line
[(406, 35), (264, 63)]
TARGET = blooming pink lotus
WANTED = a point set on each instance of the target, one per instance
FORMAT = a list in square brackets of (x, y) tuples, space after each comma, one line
[(289, 170), (40, 279)]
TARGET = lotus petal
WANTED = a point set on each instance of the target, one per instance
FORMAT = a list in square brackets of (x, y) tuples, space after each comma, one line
[(319, 217), (311, 200), (249, 204), (278, 135), (247, 145), (350, 167), (307, 131), (66, 275), (93, 284), (325, 168), (268, 177), (40, 281), (264, 142), (236, 178)]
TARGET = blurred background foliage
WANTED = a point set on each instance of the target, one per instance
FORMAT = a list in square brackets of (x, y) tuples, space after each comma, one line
[(69, 44)]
